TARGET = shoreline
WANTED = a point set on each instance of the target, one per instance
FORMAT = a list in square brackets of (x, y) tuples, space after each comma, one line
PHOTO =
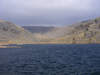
[(13, 45), (7, 46), (1, 46)]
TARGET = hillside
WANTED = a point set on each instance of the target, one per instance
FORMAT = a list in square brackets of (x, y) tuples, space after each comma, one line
[(79, 33), (84, 32), (11, 33)]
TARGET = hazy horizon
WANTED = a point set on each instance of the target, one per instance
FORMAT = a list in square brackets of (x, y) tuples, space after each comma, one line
[(48, 12)]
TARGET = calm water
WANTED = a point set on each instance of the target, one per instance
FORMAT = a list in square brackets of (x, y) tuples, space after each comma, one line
[(50, 60)]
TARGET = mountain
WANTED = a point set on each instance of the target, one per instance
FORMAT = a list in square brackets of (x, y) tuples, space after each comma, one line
[(79, 33), (13, 34), (39, 29)]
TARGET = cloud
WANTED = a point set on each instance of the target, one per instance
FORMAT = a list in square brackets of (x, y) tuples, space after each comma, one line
[(46, 4), (48, 11)]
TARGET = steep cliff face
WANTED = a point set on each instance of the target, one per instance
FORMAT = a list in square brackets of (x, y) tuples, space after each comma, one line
[(11, 33)]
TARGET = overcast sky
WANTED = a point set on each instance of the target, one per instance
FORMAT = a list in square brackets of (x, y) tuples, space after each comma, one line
[(48, 12)]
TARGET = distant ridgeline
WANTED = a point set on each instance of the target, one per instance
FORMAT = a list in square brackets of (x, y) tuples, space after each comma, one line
[(80, 33), (39, 29)]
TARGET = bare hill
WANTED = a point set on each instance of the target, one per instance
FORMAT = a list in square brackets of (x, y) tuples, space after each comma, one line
[(11, 33), (82, 32), (79, 33)]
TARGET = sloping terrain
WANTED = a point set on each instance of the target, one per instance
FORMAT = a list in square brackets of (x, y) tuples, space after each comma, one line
[(79, 33), (11, 33)]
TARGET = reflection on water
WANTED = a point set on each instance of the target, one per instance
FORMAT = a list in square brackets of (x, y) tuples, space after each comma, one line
[(50, 60)]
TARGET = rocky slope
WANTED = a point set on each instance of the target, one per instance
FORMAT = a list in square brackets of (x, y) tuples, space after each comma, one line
[(79, 33), (13, 34)]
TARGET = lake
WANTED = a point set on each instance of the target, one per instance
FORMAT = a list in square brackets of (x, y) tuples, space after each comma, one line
[(51, 60)]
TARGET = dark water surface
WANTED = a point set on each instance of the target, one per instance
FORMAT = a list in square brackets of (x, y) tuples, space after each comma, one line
[(50, 60)]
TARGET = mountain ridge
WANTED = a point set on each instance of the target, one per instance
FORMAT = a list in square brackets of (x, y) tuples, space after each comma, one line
[(84, 32), (39, 29), (11, 33), (80, 33)]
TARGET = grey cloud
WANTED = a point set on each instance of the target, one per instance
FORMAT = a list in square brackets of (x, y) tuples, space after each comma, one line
[(50, 12)]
